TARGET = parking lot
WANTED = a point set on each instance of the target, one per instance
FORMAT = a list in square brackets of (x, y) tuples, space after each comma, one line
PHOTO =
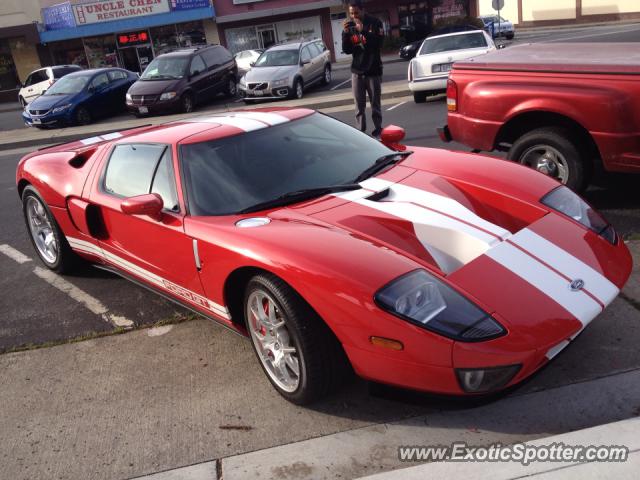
[(188, 391)]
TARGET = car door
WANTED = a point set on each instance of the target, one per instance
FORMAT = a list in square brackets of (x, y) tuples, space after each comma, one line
[(152, 250), (306, 66), (213, 61), (118, 86), (198, 78), (317, 61), (36, 84), (98, 102)]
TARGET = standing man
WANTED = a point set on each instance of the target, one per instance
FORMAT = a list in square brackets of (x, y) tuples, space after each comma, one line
[(362, 38)]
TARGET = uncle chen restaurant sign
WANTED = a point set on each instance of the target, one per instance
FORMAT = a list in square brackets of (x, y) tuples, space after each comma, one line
[(109, 10)]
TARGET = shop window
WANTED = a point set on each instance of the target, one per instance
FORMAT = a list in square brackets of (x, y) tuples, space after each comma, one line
[(69, 52), (165, 39), (8, 75), (191, 34), (101, 51), (239, 39)]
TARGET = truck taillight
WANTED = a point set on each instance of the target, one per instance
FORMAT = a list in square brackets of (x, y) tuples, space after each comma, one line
[(452, 96)]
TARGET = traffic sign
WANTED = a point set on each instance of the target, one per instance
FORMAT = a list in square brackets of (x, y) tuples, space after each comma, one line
[(497, 4)]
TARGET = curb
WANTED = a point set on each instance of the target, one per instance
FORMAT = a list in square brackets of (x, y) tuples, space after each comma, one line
[(102, 130)]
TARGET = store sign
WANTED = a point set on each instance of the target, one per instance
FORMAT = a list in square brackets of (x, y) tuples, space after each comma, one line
[(132, 39), (189, 4), (109, 10), (58, 16), (240, 2), (449, 8)]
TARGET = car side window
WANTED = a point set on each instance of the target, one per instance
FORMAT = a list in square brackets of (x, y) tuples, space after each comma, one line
[(115, 75), (140, 169), (213, 57), (197, 65), (305, 55), (314, 49), (100, 81)]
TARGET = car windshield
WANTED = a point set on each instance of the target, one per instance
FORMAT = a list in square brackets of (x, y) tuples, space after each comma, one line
[(278, 58), (166, 68), (68, 85), (453, 42), (229, 175)]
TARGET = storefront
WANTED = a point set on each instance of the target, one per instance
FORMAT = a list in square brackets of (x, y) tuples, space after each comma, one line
[(124, 33), (18, 58), (247, 24)]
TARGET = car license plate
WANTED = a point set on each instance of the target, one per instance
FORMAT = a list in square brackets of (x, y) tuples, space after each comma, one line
[(143, 110), (36, 121), (445, 67), (258, 93)]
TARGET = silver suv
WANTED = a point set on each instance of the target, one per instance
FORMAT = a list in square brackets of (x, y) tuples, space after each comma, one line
[(286, 71)]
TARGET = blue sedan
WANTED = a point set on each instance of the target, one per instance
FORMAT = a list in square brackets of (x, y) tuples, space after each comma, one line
[(78, 98)]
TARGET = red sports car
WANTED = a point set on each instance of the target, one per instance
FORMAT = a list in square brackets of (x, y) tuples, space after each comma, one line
[(419, 268)]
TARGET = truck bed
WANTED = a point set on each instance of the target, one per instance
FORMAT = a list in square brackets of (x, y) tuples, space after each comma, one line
[(593, 58)]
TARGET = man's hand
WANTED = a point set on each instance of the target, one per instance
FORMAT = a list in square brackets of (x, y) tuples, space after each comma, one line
[(359, 26)]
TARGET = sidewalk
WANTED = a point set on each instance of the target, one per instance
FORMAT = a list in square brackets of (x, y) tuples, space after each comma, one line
[(25, 137), (192, 394)]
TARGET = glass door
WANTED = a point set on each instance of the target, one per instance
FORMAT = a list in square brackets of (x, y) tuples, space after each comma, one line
[(267, 36), (145, 55)]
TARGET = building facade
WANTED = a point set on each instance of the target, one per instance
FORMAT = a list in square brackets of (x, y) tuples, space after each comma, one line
[(531, 13)]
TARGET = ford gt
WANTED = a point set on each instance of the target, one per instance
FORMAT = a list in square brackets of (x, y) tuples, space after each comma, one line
[(331, 250)]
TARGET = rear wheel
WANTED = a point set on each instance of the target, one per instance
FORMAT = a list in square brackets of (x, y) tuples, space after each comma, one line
[(295, 348), (419, 97), (326, 78), (554, 152), (45, 234), (83, 117)]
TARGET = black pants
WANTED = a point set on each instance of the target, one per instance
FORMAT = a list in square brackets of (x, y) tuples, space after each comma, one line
[(362, 86)]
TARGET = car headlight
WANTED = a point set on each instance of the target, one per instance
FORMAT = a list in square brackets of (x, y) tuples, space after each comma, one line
[(168, 96), (569, 203), (128, 98), (61, 108), (280, 83), (423, 300)]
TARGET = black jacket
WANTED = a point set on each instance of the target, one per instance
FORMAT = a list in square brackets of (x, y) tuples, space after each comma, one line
[(365, 51)]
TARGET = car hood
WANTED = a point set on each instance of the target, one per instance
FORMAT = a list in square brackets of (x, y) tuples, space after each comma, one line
[(265, 74), (47, 102), (152, 87)]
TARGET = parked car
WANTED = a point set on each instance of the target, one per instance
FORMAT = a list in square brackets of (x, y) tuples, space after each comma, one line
[(246, 58), (326, 247), (410, 50), (559, 108), (498, 27), (40, 80), (429, 70), (180, 80), (79, 98), (286, 71)]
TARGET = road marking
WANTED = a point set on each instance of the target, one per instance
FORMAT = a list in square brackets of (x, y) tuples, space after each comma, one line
[(93, 304), (396, 106), (340, 84), (14, 254)]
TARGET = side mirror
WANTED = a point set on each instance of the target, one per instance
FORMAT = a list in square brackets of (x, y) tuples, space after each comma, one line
[(252, 64), (391, 136), (91, 89), (150, 204)]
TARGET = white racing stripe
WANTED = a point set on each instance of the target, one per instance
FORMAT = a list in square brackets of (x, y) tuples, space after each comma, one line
[(266, 117), (579, 304), (594, 282), (556, 349), (149, 277), (245, 124), (101, 138)]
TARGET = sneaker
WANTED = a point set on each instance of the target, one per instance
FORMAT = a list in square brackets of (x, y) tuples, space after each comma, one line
[(376, 133)]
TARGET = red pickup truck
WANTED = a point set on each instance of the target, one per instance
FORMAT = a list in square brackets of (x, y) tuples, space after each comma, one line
[(569, 110)]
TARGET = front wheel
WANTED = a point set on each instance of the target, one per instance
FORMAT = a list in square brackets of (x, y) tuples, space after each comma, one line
[(83, 117), (292, 343), (45, 234), (298, 91), (187, 103), (231, 88), (552, 151)]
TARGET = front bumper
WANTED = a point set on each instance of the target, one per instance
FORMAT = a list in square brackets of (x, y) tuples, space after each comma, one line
[(156, 107), (48, 120), (277, 93)]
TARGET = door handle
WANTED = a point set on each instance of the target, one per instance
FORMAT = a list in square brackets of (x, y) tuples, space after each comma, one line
[(196, 255)]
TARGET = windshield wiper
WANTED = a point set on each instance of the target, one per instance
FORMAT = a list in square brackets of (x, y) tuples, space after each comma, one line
[(381, 163), (300, 195)]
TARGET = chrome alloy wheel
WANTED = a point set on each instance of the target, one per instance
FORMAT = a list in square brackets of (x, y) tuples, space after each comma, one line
[(299, 91), (548, 160), (41, 230), (272, 340)]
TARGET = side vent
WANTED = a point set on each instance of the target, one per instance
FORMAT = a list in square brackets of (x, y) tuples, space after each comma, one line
[(81, 157)]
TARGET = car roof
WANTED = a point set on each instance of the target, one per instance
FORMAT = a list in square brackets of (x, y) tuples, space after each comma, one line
[(216, 126), (293, 45), (92, 71), (453, 34)]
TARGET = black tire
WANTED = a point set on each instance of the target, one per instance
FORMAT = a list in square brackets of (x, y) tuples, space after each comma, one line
[(510, 36), (326, 75), (248, 101), (560, 140), (420, 97), (186, 103), (66, 260), (322, 362), (231, 89), (82, 116), (297, 92)]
